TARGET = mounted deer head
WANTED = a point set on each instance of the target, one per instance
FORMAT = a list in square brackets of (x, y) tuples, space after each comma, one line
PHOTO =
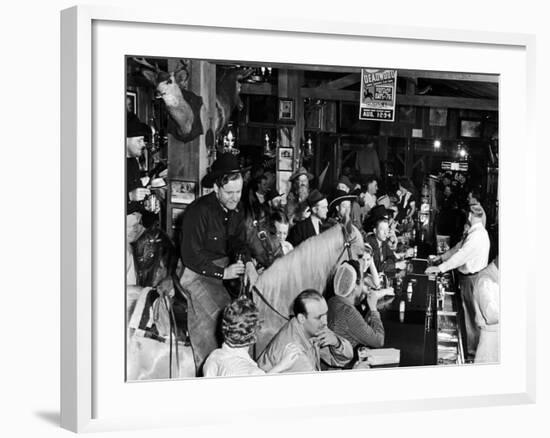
[(183, 106)]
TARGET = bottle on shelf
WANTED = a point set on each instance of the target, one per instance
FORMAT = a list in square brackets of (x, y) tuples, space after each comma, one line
[(409, 291)]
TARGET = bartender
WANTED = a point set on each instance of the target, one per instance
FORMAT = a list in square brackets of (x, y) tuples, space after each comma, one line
[(213, 241), (469, 257)]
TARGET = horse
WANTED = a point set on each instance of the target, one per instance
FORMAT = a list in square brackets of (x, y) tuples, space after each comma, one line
[(156, 318), (309, 266)]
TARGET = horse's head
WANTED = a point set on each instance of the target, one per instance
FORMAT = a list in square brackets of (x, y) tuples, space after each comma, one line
[(353, 238)]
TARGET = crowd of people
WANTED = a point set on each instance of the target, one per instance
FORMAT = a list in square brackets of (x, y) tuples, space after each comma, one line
[(243, 225)]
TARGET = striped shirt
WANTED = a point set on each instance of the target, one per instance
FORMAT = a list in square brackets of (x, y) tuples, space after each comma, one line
[(346, 321)]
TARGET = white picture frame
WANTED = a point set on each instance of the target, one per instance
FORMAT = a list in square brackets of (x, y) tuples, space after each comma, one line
[(92, 395)]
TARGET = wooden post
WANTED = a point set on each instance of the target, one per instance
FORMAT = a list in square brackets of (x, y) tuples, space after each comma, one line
[(189, 161), (289, 83)]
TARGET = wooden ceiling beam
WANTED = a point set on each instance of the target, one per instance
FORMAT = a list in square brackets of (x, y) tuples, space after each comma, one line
[(448, 102), (452, 76), (264, 89), (402, 99), (343, 82)]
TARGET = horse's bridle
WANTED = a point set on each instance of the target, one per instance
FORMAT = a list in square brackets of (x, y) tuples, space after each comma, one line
[(348, 241)]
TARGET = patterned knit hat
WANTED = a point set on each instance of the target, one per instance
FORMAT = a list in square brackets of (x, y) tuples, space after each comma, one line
[(345, 279)]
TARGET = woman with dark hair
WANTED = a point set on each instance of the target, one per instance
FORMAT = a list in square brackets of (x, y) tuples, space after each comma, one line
[(240, 327)]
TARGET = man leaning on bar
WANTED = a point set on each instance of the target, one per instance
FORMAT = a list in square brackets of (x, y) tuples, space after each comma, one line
[(469, 257)]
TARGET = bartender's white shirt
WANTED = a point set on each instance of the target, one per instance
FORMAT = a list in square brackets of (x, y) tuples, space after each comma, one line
[(316, 224), (470, 255)]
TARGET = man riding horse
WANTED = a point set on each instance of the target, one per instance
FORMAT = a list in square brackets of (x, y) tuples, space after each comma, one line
[(213, 249)]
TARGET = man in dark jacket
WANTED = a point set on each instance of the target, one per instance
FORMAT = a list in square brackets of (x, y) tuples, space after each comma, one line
[(314, 224), (378, 222), (213, 236)]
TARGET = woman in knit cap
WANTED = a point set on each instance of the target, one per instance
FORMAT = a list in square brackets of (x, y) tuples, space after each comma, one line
[(344, 318)]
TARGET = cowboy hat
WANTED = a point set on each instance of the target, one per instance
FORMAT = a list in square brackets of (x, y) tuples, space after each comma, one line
[(301, 171), (134, 128), (314, 197), (377, 212), (380, 211), (225, 164), (345, 181), (340, 196)]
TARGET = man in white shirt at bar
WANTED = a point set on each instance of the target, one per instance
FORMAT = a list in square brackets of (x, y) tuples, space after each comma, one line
[(469, 256)]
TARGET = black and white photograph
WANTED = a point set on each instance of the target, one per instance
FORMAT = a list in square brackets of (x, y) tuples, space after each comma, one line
[(364, 248), (182, 192), (286, 110), (286, 158)]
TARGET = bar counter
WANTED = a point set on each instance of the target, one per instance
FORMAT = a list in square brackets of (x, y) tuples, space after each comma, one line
[(428, 331)]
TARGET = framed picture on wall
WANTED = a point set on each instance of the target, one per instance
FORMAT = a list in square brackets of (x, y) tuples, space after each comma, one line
[(285, 158), (286, 110), (182, 192), (438, 116), (131, 102), (470, 128)]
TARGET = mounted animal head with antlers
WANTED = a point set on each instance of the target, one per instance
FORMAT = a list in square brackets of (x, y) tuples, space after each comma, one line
[(184, 107)]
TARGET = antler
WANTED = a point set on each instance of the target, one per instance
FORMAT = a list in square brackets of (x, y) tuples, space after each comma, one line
[(244, 73), (145, 63)]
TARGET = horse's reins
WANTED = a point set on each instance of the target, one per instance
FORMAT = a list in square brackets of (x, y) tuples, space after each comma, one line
[(268, 304)]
